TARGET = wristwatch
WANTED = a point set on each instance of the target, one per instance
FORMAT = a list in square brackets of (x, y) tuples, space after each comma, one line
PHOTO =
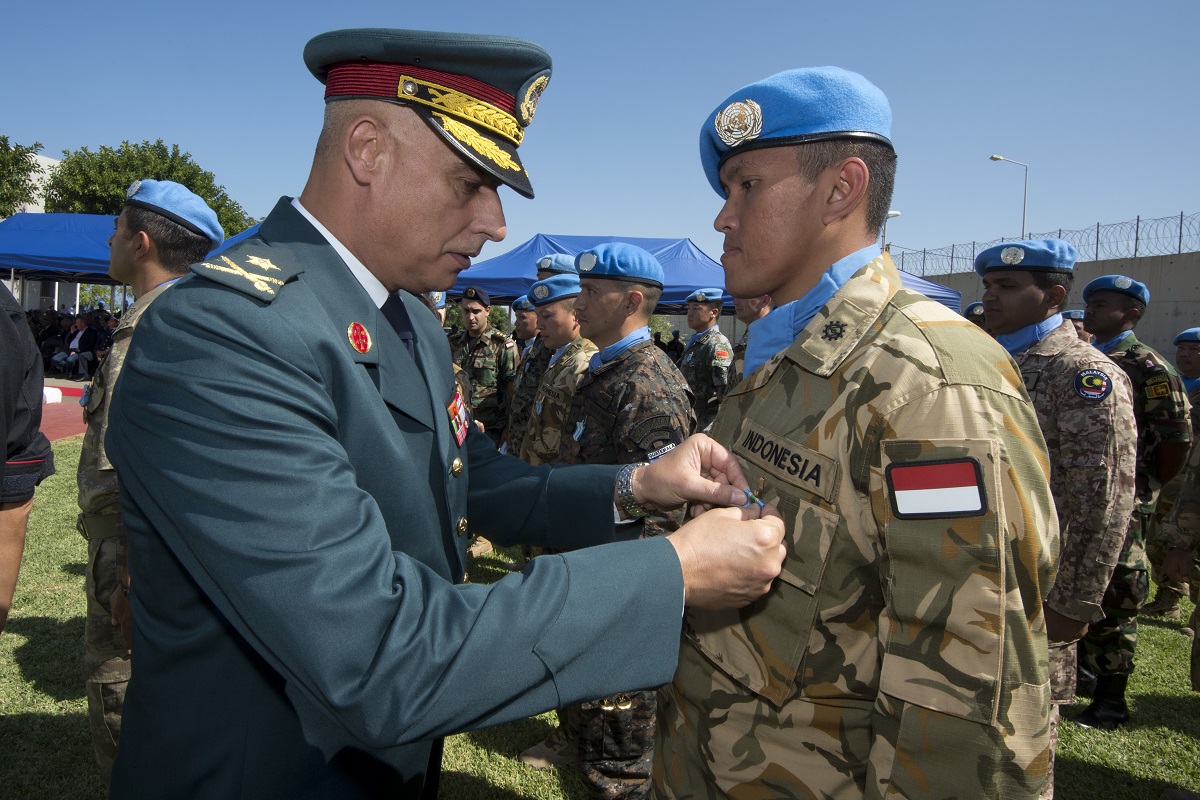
[(625, 498)]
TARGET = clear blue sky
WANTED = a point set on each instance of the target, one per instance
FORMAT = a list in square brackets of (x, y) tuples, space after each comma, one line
[(1099, 98)]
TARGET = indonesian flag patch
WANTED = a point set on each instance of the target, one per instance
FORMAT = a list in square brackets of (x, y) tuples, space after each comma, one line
[(937, 489)]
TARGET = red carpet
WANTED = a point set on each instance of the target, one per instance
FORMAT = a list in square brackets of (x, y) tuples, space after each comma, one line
[(60, 420)]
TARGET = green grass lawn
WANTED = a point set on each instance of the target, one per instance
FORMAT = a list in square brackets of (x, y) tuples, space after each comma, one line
[(45, 751)]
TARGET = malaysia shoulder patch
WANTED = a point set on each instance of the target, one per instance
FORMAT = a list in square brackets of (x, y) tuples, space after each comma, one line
[(944, 489), (1093, 384)]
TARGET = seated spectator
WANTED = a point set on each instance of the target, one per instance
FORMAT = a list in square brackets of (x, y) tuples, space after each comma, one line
[(80, 351)]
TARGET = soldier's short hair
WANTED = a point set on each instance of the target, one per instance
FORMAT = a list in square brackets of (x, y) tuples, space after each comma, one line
[(178, 247), (816, 157), (651, 295)]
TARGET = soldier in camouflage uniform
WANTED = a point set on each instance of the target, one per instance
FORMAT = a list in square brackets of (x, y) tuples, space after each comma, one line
[(706, 360), (489, 357), (1181, 543), (571, 355), (1115, 303), (534, 360), (1084, 406), (1166, 601), (747, 310), (631, 406), (902, 651), (162, 229)]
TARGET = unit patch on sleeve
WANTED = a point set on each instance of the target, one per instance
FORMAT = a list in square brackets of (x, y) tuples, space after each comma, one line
[(937, 489), (1092, 384)]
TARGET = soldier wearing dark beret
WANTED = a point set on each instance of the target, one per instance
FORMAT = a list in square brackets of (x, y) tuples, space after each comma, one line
[(298, 466), (708, 357), (489, 357), (1115, 304)]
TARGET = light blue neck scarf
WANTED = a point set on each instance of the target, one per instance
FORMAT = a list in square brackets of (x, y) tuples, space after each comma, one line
[(1021, 340), (616, 348), (776, 331), (1111, 344), (696, 336)]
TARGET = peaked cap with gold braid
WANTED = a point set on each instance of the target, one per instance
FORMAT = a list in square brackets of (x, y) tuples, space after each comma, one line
[(478, 92)]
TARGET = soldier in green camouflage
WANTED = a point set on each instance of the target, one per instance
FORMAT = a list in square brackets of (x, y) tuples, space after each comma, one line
[(162, 229), (708, 357), (1181, 543), (631, 406), (570, 356), (902, 652), (1166, 601), (489, 357), (1084, 406), (1115, 303), (748, 311)]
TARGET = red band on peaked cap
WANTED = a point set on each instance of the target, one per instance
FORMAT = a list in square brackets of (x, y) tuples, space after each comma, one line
[(375, 79)]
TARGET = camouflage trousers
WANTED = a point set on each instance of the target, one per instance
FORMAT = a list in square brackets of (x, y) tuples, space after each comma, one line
[(106, 663), (1156, 551), (1048, 789), (614, 741), (1108, 647), (1194, 623), (1063, 658)]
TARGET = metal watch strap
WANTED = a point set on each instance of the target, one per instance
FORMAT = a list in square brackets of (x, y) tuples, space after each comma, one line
[(625, 497)]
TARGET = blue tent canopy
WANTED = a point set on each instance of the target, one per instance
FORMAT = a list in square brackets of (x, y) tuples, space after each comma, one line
[(57, 247), (686, 266)]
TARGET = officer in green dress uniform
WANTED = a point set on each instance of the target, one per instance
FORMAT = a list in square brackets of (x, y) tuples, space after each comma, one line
[(162, 229), (1115, 304), (902, 652), (297, 470)]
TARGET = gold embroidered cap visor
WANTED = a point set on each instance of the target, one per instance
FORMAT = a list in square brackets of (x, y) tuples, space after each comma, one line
[(479, 93)]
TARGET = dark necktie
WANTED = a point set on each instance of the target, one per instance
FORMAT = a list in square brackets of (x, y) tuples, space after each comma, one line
[(397, 315)]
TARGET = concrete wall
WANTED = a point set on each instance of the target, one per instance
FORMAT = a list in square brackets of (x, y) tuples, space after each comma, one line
[(1174, 283)]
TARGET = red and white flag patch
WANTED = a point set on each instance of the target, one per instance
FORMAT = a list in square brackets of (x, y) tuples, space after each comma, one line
[(937, 489)]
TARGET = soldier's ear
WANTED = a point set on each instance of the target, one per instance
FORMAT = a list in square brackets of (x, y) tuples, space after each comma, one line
[(1056, 296), (364, 144)]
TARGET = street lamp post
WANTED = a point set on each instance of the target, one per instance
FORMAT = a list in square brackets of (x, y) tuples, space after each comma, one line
[(890, 214), (1025, 203)]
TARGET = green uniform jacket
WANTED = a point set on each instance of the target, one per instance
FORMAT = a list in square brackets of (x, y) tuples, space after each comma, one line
[(297, 512), (902, 651), (490, 361), (705, 366)]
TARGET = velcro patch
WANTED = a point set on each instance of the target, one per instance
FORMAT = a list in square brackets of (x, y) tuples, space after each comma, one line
[(1093, 384), (788, 461), (946, 489), (1158, 390)]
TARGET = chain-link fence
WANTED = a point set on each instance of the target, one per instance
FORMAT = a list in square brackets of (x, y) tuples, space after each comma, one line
[(1140, 237)]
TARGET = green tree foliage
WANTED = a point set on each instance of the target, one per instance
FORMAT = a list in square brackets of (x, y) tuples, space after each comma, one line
[(17, 170), (89, 182)]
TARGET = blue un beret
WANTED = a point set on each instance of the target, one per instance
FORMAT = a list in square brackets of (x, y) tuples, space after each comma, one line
[(522, 303), (620, 261), (794, 107), (479, 93), (438, 299), (177, 203), (705, 296), (557, 262), (554, 288), (1029, 255), (973, 310), (475, 293), (1190, 335), (1075, 314), (1119, 284)]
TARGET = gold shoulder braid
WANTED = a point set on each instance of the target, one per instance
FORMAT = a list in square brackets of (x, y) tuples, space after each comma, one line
[(260, 282)]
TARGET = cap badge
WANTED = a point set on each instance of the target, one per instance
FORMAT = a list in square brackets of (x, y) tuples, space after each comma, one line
[(544, 263), (360, 340), (587, 262), (532, 95), (739, 122), (702, 297), (1122, 282), (132, 191), (1012, 255), (540, 292), (470, 292)]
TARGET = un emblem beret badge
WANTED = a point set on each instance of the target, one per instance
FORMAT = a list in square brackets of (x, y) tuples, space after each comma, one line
[(587, 262), (1121, 282), (739, 122), (1012, 255), (540, 292)]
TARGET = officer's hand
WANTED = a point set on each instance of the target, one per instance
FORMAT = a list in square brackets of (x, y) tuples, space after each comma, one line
[(1177, 563), (729, 556), (698, 471), (1063, 629), (122, 615)]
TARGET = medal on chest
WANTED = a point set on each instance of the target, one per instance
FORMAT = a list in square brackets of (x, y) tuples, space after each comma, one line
[(460, 419)]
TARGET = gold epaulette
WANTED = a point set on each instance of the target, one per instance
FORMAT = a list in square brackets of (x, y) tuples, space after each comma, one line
[(249, 272)]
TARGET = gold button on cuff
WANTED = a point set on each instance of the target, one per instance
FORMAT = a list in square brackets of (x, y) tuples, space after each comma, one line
[(456, 467), (462, 526)]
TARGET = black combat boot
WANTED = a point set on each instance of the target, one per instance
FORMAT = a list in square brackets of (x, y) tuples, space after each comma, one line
[(1108, 709), (1085, 680)]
